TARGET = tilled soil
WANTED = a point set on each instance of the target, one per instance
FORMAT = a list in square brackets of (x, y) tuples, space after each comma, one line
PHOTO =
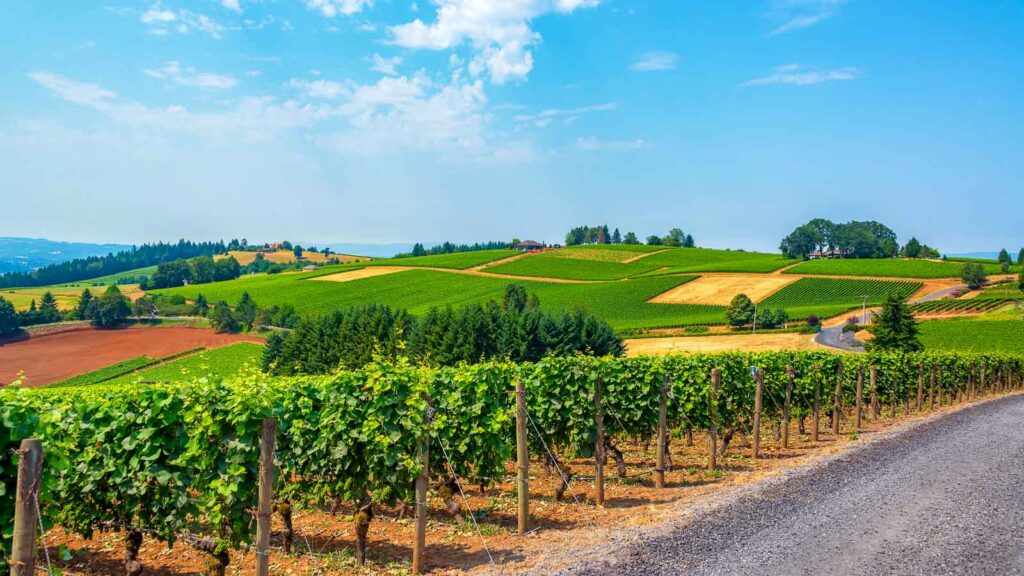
[(944, 497)]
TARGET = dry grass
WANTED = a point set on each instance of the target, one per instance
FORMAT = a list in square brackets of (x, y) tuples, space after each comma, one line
[(287, 257), (66, 296), (727, 343), (368, 272), (719, 289)]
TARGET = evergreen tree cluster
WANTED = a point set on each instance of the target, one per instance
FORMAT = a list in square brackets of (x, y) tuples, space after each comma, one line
[(859, 239), (449, 248), (515, 328), (895, 329), (915, 249), (94, 266)]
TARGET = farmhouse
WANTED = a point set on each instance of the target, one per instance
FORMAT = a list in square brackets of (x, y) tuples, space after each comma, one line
[(834, 253), (310, 268), (529, 246)]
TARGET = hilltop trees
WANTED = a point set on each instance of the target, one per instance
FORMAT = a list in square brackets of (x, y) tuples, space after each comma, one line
[(858, 239), (617, 238), (895, 329), (449, 248), (599, 235), (630, 238), (199, 270), (654, 240)]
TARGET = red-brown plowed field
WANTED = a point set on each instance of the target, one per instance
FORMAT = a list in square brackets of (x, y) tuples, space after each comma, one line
[(54, 357)]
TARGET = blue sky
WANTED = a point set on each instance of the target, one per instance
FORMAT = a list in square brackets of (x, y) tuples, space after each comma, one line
[(396, 121)]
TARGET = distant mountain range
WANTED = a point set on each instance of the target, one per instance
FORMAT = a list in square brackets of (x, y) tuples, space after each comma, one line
[(27, 254)]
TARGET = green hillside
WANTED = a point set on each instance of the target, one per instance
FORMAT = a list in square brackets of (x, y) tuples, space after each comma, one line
[(890, 268)]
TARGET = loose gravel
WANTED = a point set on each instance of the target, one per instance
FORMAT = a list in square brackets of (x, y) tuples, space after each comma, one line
[(943, 497)]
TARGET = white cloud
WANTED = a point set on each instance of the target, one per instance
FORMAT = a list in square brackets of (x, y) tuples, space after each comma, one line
[(319, 89), (797, 75), (657, 60), (332, 8), (568, 115), (90, 95), (188, 76), (794, 15), (162, 22), (234, 5), (595, 144), (498, 31), (385, 65)]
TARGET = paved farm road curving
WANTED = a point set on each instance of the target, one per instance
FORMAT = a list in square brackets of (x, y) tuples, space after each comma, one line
[(945, 497)]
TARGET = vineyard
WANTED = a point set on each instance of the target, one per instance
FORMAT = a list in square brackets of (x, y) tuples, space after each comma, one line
[(825, 296), (888, 267), (969, 306), (180, 463)]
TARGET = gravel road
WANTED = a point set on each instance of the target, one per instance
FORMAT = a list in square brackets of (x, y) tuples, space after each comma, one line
[(944, 497)]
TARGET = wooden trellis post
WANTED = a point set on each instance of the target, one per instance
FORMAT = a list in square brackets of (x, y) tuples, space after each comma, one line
[(758, 399), (713, 427), (659, 467), (266, 497), (422, 481), (859, 405), (931, 389), (599, 445), (876, 407), (837, 408), (920, 388), (817, 407), (787, 405), (23, 546), (522, 459)]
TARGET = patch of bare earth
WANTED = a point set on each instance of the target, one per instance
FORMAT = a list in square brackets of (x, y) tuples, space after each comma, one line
[(368, 272), (52, 357)]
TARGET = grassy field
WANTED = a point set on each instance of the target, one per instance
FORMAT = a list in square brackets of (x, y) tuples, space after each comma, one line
[(224, 361), (245, 257), (826, 297), (112, 278), (998, 333), (597, 263), (890, 268), (456, 261), (623, 304)]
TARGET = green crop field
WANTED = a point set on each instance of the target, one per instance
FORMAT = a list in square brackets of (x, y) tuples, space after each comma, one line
[(113, 278), (982, 334), (106, 373), (826, 297), (577, 263), (224, 361), (457, 260), (890, 268), (623, 304)]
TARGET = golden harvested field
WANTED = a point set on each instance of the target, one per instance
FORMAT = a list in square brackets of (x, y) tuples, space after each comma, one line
[(368, 272), (287, 257), (67, 297), (719, 289), (729, 343)]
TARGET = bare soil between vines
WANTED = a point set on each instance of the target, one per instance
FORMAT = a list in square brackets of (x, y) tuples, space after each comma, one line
[(325, 543)]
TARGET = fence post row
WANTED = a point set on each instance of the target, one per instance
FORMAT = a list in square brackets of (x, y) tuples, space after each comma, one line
[(23, 547), (876, 408), (266, 497), (837, 408), (713, 427), (599, 444), (758, 399), (859, 405), (522, 459), (659, 469), (817, 404)]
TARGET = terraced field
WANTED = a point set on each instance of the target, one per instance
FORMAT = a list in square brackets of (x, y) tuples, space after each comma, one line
[(984, 334), (576, 264), (224, 361), (890, 268), (826, 297)]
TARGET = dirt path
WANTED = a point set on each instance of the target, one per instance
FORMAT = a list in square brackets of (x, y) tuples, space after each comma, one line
[(940, 498), (726, 343), (53, 357)]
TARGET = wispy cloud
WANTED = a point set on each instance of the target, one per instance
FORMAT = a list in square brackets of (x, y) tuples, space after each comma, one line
[(161, 21), (596, 144), (792, 15), (567, 115), (385, 65), (233, 5), (499, 32), (797, 75), (187, 76), (654, 61), (332, 8)]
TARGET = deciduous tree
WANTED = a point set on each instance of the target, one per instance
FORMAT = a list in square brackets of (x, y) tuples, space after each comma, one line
[(973, 274), (740, 311)]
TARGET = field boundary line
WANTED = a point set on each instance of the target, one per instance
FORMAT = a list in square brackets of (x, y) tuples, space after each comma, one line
[(641, 255)]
